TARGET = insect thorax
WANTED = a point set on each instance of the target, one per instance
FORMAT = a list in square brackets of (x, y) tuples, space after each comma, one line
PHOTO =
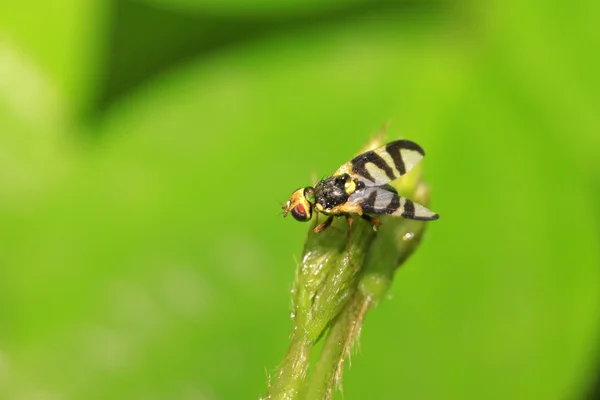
[(330, 192)]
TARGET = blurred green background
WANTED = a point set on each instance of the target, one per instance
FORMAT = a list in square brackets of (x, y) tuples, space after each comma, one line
[(146, 146)]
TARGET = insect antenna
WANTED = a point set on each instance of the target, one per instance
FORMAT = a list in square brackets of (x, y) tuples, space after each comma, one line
[(282, 207)]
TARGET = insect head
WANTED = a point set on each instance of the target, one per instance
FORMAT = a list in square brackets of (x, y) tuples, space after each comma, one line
[(300, 204)]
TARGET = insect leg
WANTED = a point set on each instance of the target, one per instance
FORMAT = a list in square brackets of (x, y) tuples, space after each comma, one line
[(324, 225), (375, 222)]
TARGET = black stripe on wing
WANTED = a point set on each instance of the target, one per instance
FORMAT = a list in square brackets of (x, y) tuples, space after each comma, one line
[(394, 149), (384, 164), (378, 200), (359, 166), (385, 200)]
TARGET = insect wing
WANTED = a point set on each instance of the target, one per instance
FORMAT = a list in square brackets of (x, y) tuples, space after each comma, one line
[(384, 164), (385, 200)]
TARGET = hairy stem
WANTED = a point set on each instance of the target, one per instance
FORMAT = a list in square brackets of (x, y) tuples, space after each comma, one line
[(341, 336), (293, 369)]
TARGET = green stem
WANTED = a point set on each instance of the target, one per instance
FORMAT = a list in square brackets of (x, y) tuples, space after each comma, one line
[(395, 242), (336, 348), (292, 371)]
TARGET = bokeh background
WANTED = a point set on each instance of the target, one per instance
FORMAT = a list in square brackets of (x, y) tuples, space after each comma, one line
[(146, 147)]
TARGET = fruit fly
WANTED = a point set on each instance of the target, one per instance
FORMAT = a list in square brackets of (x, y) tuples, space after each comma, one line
[(360, 187)]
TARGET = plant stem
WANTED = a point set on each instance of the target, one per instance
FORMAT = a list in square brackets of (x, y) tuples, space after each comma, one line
[(339, 340), (326, 278), (395, 242), (293, 369)]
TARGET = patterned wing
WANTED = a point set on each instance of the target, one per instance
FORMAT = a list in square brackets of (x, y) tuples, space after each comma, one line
[(385, 200), (384, 164)]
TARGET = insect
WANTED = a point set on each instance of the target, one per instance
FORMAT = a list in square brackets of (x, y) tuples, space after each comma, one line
[(360, 187)]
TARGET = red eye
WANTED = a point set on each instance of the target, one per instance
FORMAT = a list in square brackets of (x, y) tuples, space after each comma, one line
[(299, 213)]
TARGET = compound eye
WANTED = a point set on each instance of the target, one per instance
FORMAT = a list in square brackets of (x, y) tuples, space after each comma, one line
[(309, 194), (299, 213)]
